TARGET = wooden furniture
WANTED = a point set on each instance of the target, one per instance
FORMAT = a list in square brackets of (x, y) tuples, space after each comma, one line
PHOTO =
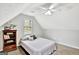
[(9, 38)]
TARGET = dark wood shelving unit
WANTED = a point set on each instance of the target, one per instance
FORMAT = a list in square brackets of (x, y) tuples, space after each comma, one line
[(9, 37)]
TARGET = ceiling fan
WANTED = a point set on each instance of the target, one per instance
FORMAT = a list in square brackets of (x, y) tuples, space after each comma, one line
[(47, 8), (50, 8)]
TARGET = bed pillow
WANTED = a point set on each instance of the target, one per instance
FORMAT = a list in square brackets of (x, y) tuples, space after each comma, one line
[(34, 37), (29, 37), (25, 38)]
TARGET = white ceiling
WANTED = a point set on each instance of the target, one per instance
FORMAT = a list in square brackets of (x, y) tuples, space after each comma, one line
[(9, 11), (36, 8), (66, 18), (31, 8)]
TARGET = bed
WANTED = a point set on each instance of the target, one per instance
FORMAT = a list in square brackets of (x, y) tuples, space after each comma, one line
[(39, 46)]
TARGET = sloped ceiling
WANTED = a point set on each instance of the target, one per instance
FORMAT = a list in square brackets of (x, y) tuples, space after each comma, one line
[(66, 17), (10, 10), (31, 8)]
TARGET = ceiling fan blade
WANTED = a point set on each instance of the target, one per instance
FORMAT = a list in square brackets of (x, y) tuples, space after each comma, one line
[(53, 10), (53, 5), (48, 13), (43, 8)]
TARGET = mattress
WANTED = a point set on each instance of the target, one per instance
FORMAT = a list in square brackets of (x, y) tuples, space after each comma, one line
[(40, 46)]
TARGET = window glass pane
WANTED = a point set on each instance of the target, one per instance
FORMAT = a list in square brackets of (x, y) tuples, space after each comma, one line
[(27, 26)]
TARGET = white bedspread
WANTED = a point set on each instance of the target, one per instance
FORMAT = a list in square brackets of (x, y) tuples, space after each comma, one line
[(39, 46)]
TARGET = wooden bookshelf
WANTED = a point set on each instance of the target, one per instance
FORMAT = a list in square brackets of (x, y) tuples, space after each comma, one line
[(9, 37)]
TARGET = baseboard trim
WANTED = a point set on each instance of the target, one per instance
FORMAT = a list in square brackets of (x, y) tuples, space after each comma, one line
[(67, 45)]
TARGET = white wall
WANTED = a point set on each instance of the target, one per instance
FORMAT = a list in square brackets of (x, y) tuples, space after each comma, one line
[(19, 22), (65, 37), (1, 40), (36, 27), (62, 26)]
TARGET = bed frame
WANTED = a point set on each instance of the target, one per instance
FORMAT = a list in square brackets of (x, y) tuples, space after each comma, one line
[(24, 50), (29, 54)]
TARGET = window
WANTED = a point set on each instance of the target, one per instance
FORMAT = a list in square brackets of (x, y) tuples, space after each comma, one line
[(27, 26)]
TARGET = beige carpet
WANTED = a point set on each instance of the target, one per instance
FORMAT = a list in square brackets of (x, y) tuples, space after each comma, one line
[(61, 50)]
